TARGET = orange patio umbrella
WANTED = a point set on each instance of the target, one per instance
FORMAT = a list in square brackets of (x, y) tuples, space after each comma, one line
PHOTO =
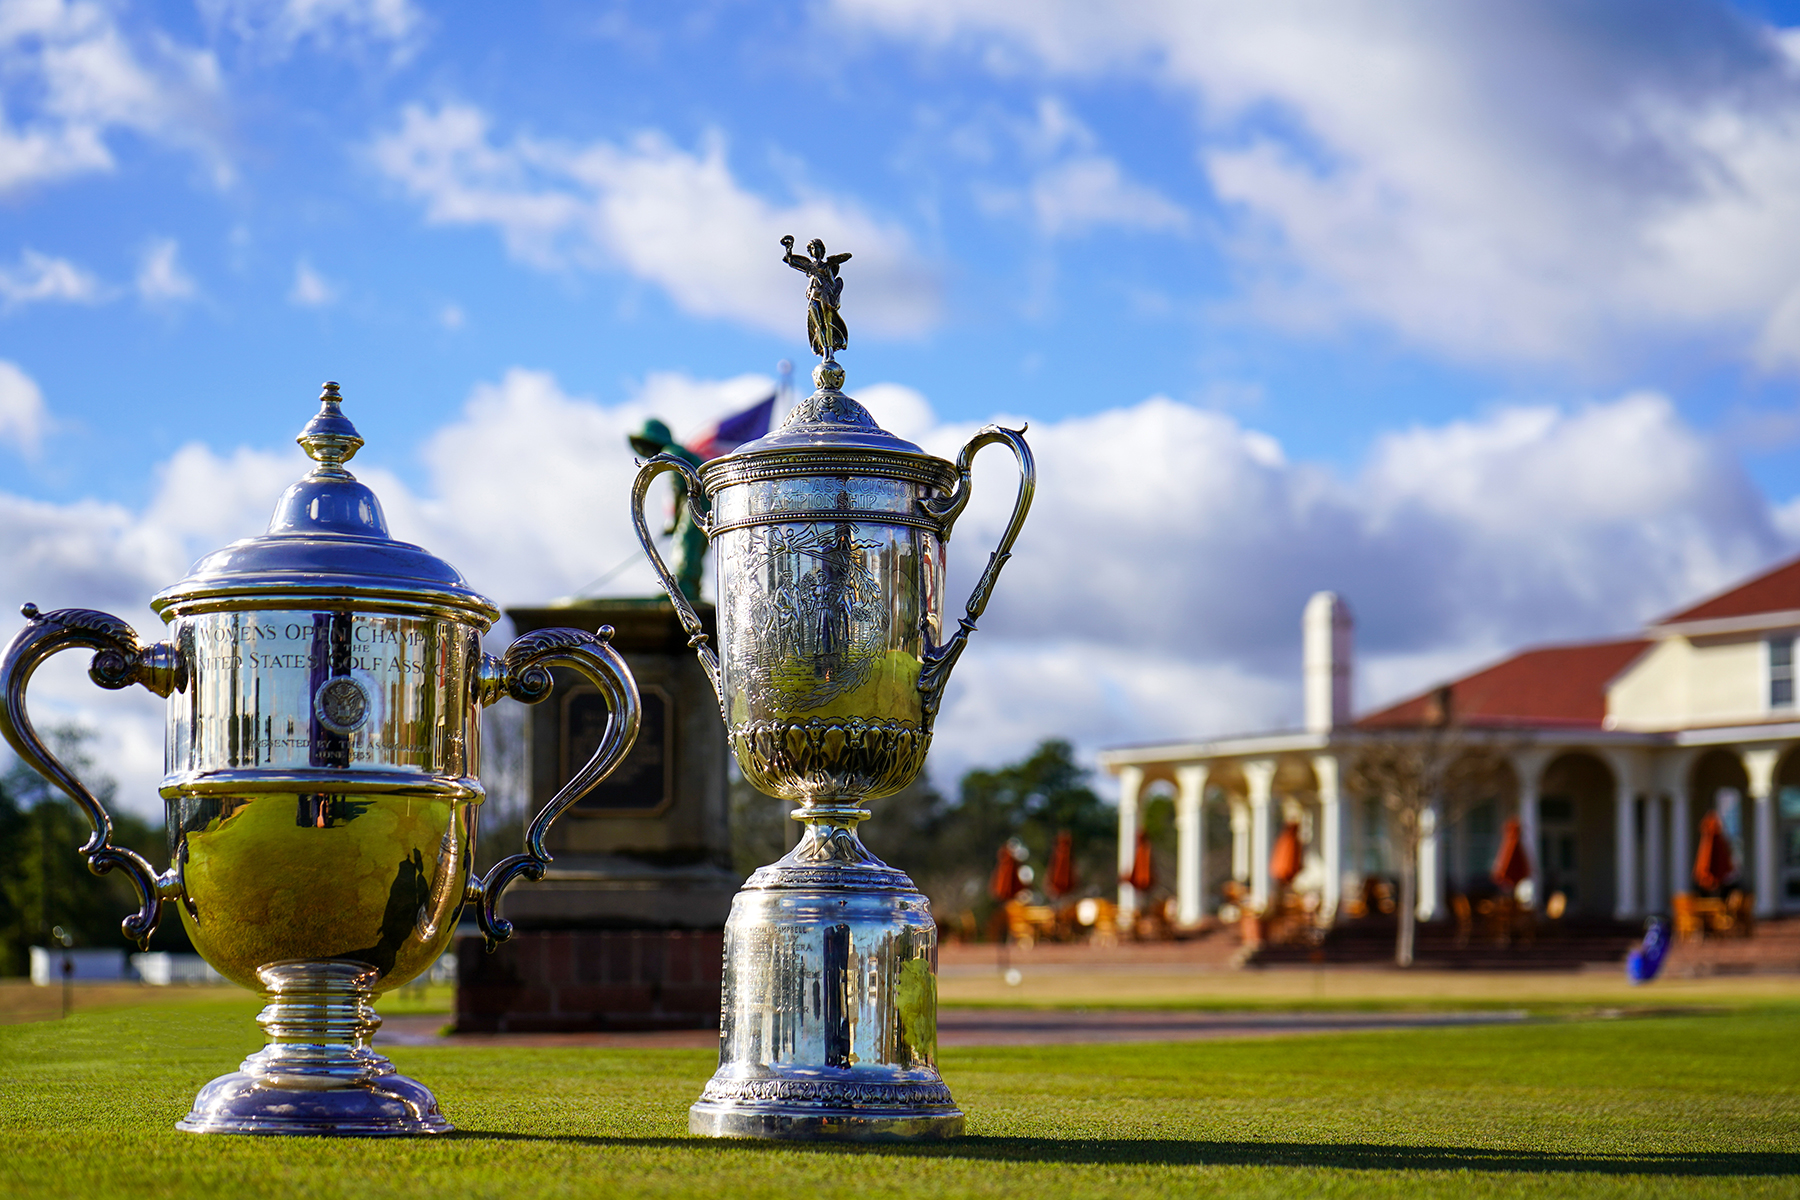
[(1713, 864), (1005, 883), (1062, 865), (1284, 863), (1512, 866), (1142, 875)]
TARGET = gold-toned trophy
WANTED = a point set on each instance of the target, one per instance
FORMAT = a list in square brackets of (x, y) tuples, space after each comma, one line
[(830, 537), (325, 686)]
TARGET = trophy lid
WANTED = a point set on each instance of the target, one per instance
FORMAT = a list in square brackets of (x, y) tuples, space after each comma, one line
[(829, 420), (828, 432), (327, 542)]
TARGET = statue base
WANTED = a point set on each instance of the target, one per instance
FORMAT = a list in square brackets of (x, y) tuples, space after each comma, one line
[(317, 1076), (828, 1026)]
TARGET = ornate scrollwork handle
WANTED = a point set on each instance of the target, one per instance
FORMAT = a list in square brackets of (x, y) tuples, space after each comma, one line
[(524, 674), (120, 660), (942, 659), (690, 620)]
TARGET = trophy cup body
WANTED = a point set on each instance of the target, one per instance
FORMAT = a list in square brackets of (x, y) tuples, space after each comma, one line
[(325, 687), (830, 538)]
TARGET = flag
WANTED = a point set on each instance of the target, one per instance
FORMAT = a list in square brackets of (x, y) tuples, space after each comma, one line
[(733, 431)]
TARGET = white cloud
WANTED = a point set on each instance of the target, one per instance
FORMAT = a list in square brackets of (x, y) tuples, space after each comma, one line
[(160, 278), (1156, 591), (547, 511), (675, 218), (39, 278), (71, 76), (281, 25), (1073, 188), (311, 289), (1523, 181), (23, 417), (1170, 552), (1090, 192)]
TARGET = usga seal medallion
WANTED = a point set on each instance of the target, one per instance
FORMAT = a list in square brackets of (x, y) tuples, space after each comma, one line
[(341, 704)]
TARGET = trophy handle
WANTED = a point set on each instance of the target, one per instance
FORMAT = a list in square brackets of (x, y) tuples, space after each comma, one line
[(690, 620), (523, 674), (940, 660), (120, 660)]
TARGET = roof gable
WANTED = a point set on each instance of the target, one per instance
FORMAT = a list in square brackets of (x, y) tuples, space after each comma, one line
[(1551, 685)]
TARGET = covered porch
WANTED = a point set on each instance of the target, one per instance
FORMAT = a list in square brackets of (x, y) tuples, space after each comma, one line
[(1610, 822)]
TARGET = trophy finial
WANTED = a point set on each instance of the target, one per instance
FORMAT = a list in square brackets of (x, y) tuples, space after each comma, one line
[(329, 437), (824, 292)]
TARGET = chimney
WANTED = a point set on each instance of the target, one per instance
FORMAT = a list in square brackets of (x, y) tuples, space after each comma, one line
[(1326, 632)]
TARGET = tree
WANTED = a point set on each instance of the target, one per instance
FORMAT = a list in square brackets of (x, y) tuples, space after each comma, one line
[(1033, 800), (43, 882), (1435, 773)]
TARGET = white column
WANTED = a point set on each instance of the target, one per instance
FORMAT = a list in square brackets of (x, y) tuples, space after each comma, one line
[(1331, 834), (1626, 855), (1759, 764), (1656, 895), (1190, 830), (1681, 847), (1259, 775), (1240, 842), (1529, 767), (1131, 781), (1431, 862)]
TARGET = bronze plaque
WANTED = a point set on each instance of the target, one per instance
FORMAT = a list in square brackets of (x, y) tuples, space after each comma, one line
[(645, 782)]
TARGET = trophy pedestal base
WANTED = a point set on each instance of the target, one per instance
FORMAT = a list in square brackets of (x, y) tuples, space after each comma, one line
[(823, 1125), (828, 1026), (389, 1105), (317, 1076)]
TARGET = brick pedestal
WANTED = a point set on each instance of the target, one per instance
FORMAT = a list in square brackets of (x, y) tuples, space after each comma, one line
[(567, 981)]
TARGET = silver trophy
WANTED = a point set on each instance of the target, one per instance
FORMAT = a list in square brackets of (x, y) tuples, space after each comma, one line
[(325, 687), (830, 536)]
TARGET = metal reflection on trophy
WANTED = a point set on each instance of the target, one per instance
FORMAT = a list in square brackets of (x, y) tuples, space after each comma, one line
[(830, 539), (325, 684)]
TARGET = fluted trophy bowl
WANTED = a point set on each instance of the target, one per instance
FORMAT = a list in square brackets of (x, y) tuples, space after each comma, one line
[(829, 538), (325, 686)]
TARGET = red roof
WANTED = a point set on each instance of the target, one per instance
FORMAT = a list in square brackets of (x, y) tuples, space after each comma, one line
[(1772, 591), (1553, 685)]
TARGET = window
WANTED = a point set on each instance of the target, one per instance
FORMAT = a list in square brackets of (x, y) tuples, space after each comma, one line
[(1781, 672)]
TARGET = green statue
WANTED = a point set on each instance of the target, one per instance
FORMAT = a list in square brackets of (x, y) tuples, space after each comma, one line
[(690, 543)]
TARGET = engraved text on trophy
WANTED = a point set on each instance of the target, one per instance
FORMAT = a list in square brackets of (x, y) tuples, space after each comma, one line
[(314, 689)]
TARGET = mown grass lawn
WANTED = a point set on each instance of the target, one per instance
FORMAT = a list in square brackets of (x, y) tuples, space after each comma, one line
[(1675, 1106)]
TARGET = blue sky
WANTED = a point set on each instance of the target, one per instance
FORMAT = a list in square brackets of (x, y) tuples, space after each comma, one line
[(1487, 316)]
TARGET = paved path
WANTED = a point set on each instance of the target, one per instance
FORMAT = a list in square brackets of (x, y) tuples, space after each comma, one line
[(997, 1027)]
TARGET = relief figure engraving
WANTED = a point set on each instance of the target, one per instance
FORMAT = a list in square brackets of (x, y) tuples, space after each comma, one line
[(818, 628)]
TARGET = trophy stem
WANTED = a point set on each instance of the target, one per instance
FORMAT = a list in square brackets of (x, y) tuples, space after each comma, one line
[(317, 1076), (828, 1026)]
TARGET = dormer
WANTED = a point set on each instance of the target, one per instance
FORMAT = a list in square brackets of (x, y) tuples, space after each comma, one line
[(1728, 660)]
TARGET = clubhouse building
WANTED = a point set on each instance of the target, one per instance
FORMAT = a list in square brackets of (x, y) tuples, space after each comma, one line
[(1609, 754)]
